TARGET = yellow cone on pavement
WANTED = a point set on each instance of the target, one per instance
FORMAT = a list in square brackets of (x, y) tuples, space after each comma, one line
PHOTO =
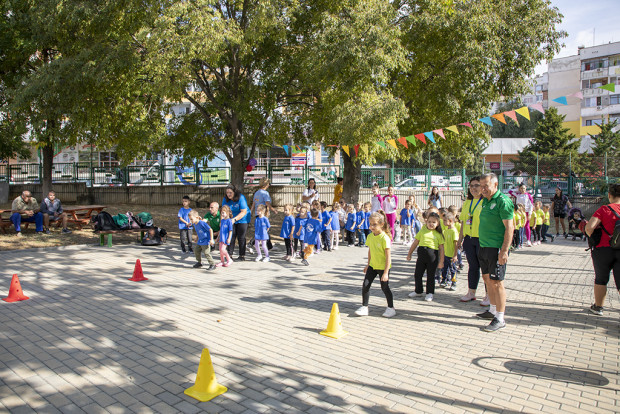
[(206, 386), (334, 326)]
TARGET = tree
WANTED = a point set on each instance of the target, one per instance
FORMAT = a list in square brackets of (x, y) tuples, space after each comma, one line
[(607, 145), (552, 148), (525, 128)]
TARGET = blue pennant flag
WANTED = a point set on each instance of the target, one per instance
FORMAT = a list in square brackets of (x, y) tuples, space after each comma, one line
[(429, 135), (285, 148), (561, 100), (486, 120)]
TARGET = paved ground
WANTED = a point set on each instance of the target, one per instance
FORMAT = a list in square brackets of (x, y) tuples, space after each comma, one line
[(89, 340)]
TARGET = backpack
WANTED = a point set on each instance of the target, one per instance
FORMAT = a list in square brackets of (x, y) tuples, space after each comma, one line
[(104, 221), (144, 219), (614, 237), (133, 224), (160, 238), (122, 221)]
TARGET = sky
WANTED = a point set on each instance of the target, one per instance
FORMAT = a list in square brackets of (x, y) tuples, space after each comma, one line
[(588, 23)]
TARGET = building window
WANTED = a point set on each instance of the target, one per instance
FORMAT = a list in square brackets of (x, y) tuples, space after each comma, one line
[(614, 99), (590, 122), (595, 64), (614, 60), (592, 102), (326, 158)]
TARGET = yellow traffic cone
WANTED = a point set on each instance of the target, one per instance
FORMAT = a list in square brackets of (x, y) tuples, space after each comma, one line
[(334, 326), (206, 386)]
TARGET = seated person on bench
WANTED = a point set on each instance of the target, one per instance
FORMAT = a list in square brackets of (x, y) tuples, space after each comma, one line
[(52, 211), (25, 208)]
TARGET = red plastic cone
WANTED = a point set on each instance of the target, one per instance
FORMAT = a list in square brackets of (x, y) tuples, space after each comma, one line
[(137, 273), (15, 291)]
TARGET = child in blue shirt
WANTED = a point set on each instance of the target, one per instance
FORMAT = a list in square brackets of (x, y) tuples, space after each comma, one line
[(298, 232), (366, 225), (205, 239), (185, 227), (326, 233), (335, 225), (351, 225), (261, 233), (360, 217), (288, 226), (311, 235), (225, 235), (406, 220)]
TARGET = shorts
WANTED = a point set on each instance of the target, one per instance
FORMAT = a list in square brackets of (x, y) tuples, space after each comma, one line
[(560, 215), (488, 256)]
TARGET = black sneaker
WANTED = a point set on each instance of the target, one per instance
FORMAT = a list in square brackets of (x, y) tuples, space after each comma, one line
[(197, 265), (552, 239), (66, 231), (305, 262), (485, 315), (495, 325), (239, 259), (212, 267), (597, 310), (47, 231)]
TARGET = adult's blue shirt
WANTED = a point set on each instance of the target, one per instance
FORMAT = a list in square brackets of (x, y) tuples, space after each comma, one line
[(261, 228), (237, 206), (261, 197), (287, 227), (312, 229), (204, 233)]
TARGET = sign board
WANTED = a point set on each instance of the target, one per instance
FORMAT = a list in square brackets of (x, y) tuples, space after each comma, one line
[(298, 158), (494, 166)]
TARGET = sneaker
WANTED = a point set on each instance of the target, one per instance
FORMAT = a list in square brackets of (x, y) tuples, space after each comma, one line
[(197, 265), (468, 298), (219, 264), (529, 243), (485, 301), (19, 234), (415, 295), (597, 310), (66, 231), (251, 250), (335, 248), (305, 262), (557, 234), (258, 258), (443, 284), (212, 267), (452, 287), (239, 259), (485, 315), (362, 311), (389, 312), (429, 297), (266, 259), (47, 231), (495, 325), (290, 259)]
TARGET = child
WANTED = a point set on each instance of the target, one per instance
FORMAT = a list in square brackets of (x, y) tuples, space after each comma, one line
[(350, 226), (406, 217), (311, 235), (225, 226), (546, 224), (185, 227), (360, 218), (342, 215), (540, 218), (430, 255), (287, 231), (335, 224), (523, 222), (261, 233), (326, 233), (451, 236), (516, 235), (205, 239), (379, 263), (300, 223), (532, 225), (376, 201), (457, 224)]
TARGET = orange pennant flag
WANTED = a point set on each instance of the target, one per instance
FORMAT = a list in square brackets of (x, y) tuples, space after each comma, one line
[(439, 132), (524, 112), (421, 137), (500, 118), (403, 141), (345, 148), (356, 148), (453, 128), (392, 142), (512, 115)]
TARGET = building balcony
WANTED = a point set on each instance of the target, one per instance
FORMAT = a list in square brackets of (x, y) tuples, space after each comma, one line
[(599, 111), (594, 92), (596, 73)]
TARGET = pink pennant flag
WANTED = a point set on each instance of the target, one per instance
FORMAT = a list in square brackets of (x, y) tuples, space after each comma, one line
[(512, 115), (467, 124), (439, 132), (577, 95), (538, 107)]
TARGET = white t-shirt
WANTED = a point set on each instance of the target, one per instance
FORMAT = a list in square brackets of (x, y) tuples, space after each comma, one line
[(389, 205), (375, 203), (312, 193)]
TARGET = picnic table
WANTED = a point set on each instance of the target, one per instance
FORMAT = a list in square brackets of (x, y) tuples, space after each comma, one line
[(80, 215)]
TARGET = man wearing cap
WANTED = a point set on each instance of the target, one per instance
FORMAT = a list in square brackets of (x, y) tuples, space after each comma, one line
[(25, 208)]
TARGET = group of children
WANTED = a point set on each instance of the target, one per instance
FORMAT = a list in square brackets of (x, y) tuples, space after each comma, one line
[(538, 222)]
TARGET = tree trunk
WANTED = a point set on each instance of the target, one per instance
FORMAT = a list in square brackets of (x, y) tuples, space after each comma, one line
[(352, 178), (46, 179), (237, 167)]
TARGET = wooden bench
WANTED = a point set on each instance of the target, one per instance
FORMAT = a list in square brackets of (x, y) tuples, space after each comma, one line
[(109, 233)]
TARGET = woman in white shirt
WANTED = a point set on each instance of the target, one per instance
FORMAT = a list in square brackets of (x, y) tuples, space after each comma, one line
[(310, 194), (390, 204)]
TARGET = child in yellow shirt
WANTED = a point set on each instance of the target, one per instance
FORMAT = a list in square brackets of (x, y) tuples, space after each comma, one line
[(546, 223)]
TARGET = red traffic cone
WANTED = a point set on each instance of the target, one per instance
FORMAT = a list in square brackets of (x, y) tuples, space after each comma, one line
[(137, 273), (15, 291)]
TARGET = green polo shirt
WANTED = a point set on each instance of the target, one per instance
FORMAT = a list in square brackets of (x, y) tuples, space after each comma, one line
[(494, 211), (214, 221)]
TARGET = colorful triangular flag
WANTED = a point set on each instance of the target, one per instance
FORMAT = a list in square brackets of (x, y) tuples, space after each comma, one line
[(345, 148), (439, 132), (500, 118), (403, 141), (561, 100), (512, 115), (538, 107), (486, 120), (381, 143), (392, 142), (611, 87), (285, 148), (578, 95), (429, 135), (411, 139), (524, 111), (365, 148), (467, 124), (453, 128), (421, 137), (356, 148)]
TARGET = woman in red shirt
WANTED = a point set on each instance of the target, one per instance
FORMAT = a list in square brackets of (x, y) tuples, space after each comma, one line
[(604, 257)]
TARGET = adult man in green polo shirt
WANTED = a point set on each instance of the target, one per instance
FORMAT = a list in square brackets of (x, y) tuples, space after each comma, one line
[(213, 218), (495, 235)]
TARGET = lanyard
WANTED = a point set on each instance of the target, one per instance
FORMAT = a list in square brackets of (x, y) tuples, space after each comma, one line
[(470, 204)]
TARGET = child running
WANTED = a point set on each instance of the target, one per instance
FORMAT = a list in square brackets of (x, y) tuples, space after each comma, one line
[(379, 263), (406, 217), (451, 236), (261, 233), (335, 224), (312, 234), (225, 234), (430, 255), (288, 226), (205, 240)]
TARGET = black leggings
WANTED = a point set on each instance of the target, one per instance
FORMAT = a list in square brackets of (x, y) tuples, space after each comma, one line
[(428, 259), (239, 231), (604, 260), (537, 232), (289, 250), (385, 287), (350, 237), (516, 238), (471, 245), (301, 246)]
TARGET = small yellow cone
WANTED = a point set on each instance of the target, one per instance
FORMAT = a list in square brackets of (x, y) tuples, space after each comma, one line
[(206, 386), (334, 326)]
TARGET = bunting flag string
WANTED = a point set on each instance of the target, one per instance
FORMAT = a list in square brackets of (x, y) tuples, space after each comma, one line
[(285, 148), (538, 107), (611, 87), (345, 148), (411, 139), (524, 112), (403, 141), (486, 120), (365, 148), (512, 115), (577, 95), (381, 143), (392, 142), (356, 148), (429, 135), (452, 128), (561, 100), (439, 132), (467, 124), (499, 117)]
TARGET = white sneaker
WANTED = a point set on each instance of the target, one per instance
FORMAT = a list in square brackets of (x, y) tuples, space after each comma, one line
[(529, 244), (485, 301), (251, 250), (389, 312), (362, 311), (290, 259), (335, 248), (467, 298), (258, 258), (413, 294), (266, 259), (429, 297)]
